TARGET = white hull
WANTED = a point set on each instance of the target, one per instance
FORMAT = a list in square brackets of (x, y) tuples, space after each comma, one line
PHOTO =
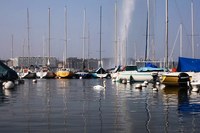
[(27, 75), (96, 75), (137, 76), (41, 74), (114, 75)]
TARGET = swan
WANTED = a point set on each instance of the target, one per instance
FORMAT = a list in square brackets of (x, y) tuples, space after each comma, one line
[(99, 87)]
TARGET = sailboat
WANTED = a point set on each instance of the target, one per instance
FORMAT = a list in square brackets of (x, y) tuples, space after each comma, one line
[(100, 72), (114, 73), (45, 71), (29, 72), (171, 78), (83, 74), (65, 72)]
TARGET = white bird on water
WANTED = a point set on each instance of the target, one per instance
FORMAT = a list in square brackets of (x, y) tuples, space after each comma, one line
[(99, 87)]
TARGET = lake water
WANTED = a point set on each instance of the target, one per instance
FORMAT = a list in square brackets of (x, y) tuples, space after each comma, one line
[(72, 105)]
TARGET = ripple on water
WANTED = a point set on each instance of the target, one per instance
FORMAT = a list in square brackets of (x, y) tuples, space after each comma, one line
[(64, 105)]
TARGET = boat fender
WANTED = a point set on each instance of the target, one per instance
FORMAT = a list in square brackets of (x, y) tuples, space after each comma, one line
[(8, 85), (34, 80), (138, 86), (155, 89), (124, 81)]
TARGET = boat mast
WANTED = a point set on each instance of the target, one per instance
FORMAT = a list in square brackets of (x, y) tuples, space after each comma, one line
[(48, 62), (145, 58), (49, 42), (88, 63), (84, 26), (192, 19), (23, 46), (148, 31), (12, 49), (100, 35), (65, 53), (166, 36), (181, 40), (116, 31), (12, 46), (28, 38), (43, 51), (125, 46)]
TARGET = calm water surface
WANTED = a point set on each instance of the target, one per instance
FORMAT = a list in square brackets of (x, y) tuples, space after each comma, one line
[(71, 105)]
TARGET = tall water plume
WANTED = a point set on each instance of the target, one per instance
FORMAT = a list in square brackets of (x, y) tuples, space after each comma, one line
[(128, 7)]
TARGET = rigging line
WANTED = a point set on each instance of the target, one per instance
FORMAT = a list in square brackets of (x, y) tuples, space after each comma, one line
[(181, 18), (174, 43)]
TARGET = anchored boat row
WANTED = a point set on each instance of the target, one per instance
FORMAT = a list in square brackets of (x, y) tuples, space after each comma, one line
[(188, 74), (47, 73)]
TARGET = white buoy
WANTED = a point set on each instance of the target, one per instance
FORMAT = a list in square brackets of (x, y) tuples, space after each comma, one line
[(34, 80), (144, 84), (124, 81), (80, 77), (3, 84), (8, 85), (157, 83), (155, 89), (138, 86), (113, 80), (195, 89), (195, 86)]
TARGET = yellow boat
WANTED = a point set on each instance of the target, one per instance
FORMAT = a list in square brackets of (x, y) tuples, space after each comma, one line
[(171, 78), (64, 73)]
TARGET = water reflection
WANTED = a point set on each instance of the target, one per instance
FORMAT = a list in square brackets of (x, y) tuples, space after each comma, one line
[(184, 104), (74, 106), (4, 96), (188, 110), (100, 113), (148, 113), (7, 96)]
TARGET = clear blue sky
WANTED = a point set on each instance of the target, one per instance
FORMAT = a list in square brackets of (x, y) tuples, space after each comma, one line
[(13, 21)]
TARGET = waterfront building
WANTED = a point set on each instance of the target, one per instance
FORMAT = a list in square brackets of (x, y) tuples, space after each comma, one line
[(34, 61)]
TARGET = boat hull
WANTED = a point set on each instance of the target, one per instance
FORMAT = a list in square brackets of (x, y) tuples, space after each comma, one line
[(46, 75), (64, 74), (96, 75), (82, 75), (171, 79), (136, 76), (28, 75)]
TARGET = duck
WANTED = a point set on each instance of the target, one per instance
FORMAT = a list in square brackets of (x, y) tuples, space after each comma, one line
[(99, 87)]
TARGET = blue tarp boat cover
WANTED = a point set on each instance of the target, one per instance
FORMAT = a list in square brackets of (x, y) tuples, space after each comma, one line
[(6, 73), (188, 65), (150, 65)]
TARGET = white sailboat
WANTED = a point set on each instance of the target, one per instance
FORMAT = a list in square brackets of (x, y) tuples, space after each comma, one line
[(28, 73), (114, 73), (45, 71)]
